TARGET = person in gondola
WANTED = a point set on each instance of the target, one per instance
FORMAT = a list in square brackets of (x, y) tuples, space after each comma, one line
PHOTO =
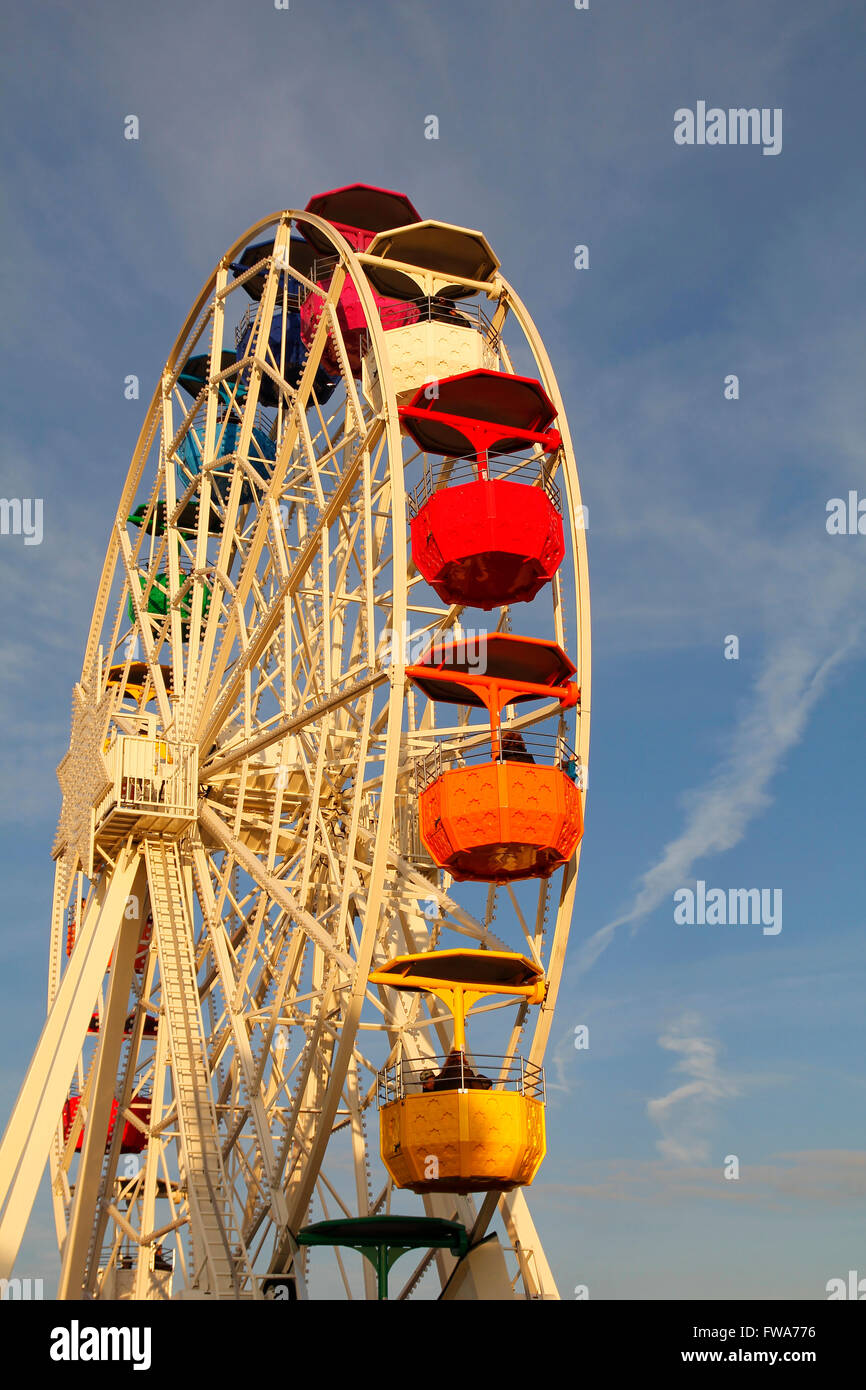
[(442, 310), (514, 749), (457, 1075)]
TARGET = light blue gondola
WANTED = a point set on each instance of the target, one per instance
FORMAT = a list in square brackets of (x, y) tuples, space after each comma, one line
[(189, 452)]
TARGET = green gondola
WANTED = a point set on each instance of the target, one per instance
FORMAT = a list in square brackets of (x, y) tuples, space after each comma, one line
[(158, 602)]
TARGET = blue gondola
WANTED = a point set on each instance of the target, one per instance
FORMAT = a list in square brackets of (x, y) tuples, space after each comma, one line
[(301, 256), (295, 358), (196, 375), (189, 452)]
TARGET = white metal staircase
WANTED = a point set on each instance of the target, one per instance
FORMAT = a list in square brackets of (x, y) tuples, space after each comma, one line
[(217, 1241)]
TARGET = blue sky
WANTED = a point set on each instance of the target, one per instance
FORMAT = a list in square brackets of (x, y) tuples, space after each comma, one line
[(706, 518)]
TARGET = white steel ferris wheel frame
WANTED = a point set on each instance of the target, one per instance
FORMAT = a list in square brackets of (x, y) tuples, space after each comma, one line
[(290, 880)]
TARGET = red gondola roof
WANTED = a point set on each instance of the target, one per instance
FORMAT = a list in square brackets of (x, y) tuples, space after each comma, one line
[(520, 401), (494, 398), (361, 206)]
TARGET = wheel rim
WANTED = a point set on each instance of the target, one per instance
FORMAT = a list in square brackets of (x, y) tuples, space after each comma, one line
[(302, 864)]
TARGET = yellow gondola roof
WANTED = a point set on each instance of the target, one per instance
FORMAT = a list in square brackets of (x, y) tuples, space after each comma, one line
[(137, 678), (435, 246), (487, 972)]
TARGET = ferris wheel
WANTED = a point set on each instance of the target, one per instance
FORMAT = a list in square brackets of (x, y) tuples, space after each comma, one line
[(323, 801)]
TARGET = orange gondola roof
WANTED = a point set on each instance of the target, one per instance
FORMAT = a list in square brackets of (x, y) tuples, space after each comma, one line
[(494, 656)]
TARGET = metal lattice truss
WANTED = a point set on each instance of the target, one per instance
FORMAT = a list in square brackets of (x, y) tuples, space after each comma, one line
[(240, 933)]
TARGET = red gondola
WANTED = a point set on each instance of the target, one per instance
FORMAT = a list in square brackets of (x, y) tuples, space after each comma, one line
[(480, 539), (151, 1025), (132, 1140), (359, 212)]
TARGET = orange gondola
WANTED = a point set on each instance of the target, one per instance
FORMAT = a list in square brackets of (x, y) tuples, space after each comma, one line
[(508, 816)]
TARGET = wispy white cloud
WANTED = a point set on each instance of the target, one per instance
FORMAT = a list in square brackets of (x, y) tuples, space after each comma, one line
[(814, 638), (823, 1177), (686, 1115), (739, 544)]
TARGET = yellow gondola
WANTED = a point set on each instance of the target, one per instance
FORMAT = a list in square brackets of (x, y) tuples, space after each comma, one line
[(456, 1129)]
